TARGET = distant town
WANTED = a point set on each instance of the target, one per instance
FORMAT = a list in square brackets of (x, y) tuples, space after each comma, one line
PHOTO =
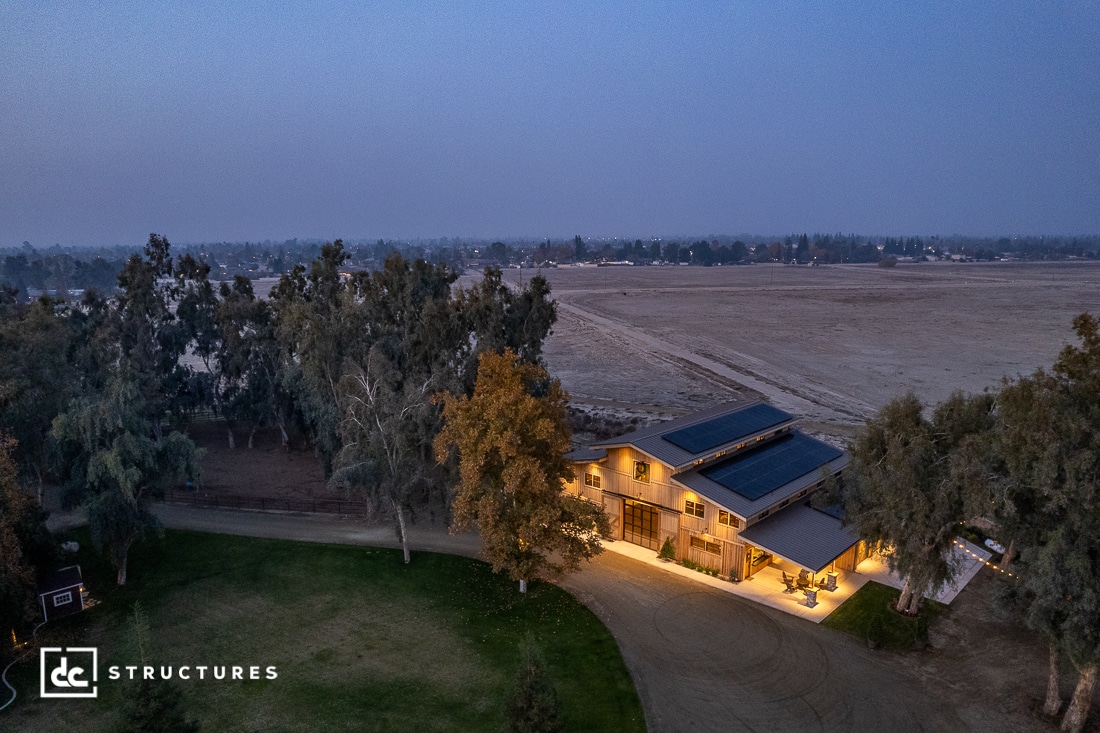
[(31, 270)]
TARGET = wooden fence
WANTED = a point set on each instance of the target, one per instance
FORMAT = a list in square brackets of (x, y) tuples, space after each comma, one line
[(264, 503)]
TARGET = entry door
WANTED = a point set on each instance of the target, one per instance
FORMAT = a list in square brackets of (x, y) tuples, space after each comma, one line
[(641, 524)]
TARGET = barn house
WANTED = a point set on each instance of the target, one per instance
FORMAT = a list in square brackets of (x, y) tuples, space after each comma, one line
[(62, 594), (730, 487)]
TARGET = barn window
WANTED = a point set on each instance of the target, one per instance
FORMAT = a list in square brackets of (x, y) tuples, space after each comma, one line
[(62, 598), (694, 508), (699, 543), (641, 471), (728, 519), (592, 480)]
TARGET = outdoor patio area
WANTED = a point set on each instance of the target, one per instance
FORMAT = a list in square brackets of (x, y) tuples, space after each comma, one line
[(766, 586), (968, 559)]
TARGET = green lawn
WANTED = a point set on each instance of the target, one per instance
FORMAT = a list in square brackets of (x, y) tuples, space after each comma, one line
[(870, 605), (361, 641)]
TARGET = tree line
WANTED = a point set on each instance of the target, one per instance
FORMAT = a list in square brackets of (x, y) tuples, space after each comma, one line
[(95, 395), (1027, 456)]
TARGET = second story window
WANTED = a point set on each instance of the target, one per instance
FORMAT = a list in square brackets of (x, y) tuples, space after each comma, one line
[(592, 480), (641, 471), (693, 508), (728, 519)]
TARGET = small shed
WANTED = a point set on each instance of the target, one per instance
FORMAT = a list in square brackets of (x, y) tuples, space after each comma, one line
[(62, 594)]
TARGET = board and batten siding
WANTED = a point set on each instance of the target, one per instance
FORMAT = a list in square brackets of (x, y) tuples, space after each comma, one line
[(618, 478)]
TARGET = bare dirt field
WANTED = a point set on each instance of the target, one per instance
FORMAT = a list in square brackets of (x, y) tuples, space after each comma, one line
[(266, 469), (831, 344)]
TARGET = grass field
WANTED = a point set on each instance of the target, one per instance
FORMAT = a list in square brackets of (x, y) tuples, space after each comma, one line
[(360, 641), (870, 605)]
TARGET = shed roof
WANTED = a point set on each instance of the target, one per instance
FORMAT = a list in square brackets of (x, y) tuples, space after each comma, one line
[(807, 537), (751, 481), (63, 579), (701, 434)]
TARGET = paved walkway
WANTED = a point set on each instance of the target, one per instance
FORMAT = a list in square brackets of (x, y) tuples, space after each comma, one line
[(702, 659)]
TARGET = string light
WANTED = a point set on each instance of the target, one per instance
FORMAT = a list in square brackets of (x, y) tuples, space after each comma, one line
[(987, 563)]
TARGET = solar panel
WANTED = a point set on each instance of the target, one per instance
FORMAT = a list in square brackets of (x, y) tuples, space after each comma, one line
[(726, 429), (774, 464)]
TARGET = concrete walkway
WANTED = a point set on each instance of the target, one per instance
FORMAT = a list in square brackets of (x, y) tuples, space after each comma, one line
[(966, 557)]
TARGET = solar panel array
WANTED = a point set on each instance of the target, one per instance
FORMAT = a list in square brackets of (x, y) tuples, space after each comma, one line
[(727, 429), (774, 464)]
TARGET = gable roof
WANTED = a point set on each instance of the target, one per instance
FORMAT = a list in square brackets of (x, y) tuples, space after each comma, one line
[(682, 441), (63, 579)]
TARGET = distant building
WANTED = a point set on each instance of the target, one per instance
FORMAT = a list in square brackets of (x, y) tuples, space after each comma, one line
[(729, 486)]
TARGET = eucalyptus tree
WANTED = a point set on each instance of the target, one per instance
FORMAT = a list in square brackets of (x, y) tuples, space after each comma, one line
[(499, 318), (24, 545), (148, 337), (112, 451), (1049, 442), (250, 361), (196, 310), (910, 483), (318, 323), (37, 378), (114, 458), (389, 418)]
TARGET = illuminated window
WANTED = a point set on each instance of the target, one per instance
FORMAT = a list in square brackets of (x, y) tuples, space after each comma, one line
[(641, 472), (62, 598), (592, 479), (711, 547), (693, 508), (728, 519)]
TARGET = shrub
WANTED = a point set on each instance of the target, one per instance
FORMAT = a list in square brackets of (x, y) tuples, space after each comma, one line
[(668, 550)]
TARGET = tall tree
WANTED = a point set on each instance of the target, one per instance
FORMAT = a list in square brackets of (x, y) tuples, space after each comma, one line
[(317, 321), (511, 437), (387, 426), (37, 378), (148, 336), (113, 459), (908, 483), (501, 318), (1049, 429), (24, 545), (250, 361)]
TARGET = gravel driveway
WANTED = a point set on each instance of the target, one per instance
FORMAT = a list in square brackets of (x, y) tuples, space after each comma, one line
[(702, 660)]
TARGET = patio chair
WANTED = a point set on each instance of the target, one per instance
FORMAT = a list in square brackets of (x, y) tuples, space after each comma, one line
[(789, 582), (803, 581)]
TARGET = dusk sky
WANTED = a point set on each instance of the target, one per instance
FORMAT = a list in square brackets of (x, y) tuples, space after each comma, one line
[(495, 120)]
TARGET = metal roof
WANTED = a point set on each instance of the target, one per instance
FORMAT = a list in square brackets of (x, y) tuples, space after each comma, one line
[(652, 441), (746, 507), (585, 455), (803, 535)]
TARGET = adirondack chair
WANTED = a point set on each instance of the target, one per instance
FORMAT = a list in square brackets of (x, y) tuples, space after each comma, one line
[(789, 582)]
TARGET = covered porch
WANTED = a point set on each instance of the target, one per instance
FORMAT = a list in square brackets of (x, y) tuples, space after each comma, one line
[(765, 587)]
